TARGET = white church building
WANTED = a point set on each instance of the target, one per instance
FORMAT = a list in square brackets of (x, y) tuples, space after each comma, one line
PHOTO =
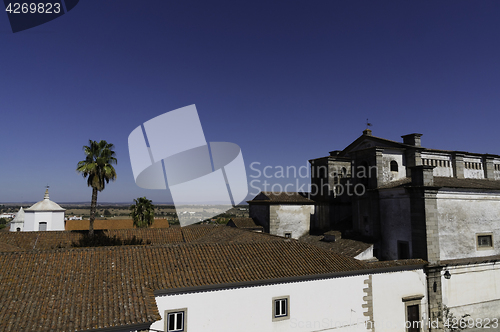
[(45, 215)]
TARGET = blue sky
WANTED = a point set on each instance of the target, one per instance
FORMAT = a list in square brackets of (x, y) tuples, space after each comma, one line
[(287, 81)]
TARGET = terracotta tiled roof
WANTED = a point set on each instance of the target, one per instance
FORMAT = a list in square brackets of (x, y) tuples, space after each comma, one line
[(80, 289), (246, 223), (82, 225), (6, 247), (471, 260), (281, 197), (347, 247), (21, 241), (401, 262), (223, 234), (72, 290)]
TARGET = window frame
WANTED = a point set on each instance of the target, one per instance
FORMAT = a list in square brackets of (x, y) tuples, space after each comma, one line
[(411, 301), (175, 311), (479, 247), (287, 314)]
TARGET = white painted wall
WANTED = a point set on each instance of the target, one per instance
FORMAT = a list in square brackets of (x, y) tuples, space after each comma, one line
[(321, 305), (387, 157), (314, 305), (474, 173), (496, 173), (473, 289), (441, 162), (54, 220), (366, 255), (389, 289), (462, 215)]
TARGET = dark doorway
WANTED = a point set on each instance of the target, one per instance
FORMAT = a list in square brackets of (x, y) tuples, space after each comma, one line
[(413, 322)]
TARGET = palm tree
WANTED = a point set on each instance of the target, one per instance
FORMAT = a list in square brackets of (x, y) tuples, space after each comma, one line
[(142, 212), (97, 166)]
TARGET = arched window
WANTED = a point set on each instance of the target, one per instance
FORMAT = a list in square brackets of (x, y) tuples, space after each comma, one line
[(42, 226), (18, 229), (394, 166)]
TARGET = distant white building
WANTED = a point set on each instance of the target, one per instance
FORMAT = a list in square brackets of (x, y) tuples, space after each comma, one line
[(44, 216), (17, 224)]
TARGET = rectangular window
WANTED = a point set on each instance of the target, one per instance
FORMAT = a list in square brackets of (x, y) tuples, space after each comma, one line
[(175, 320), (413, 320), (281, 308), (42, 226), (288, 235), (403, 250), (484, 241)]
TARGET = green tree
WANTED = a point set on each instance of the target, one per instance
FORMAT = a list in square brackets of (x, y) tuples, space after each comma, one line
[(98, 169), (107, 213), (142, 212)]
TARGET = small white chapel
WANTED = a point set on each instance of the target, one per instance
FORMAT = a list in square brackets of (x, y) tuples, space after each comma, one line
[(45, 215)]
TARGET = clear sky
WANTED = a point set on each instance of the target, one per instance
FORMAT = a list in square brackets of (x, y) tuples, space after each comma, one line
[(287, 81)]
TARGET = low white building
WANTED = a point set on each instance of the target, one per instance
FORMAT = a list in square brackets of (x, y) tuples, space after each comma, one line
[(243, 282), (17, 224), (45, 215), (285, 214)]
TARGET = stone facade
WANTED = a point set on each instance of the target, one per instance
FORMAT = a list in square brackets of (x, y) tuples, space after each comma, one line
[(416, 202)]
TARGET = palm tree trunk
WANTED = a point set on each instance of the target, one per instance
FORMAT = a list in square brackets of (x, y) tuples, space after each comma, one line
[(93, 206)]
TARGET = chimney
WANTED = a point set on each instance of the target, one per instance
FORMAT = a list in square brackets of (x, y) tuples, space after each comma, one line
[(367, 132), (422, 176), (412, 139), (335, 153), (332, 236)]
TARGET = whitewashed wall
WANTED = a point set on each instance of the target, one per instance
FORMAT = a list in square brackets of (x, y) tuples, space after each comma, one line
[(461, 216), (321, 305), (443, 164), (471, 172), (295, 219), (473, 289), (54, 220), (387, 157), (389, 289)]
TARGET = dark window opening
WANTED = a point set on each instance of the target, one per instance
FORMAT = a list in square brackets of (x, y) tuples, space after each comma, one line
[(484, 241), (280, 308), (403, 250), (175, 321), (394, 166)]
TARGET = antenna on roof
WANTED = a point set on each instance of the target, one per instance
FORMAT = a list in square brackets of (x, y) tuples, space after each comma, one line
[(368, 124)]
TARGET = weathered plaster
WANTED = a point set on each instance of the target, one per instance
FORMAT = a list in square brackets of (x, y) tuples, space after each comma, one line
[(295, 219), (462, 215)]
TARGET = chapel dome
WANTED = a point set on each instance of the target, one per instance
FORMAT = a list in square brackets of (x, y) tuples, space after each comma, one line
[(45, 205)]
